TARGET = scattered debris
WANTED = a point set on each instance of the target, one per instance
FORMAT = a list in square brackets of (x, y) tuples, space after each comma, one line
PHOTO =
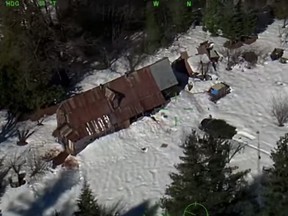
[(154, 119), (164, 145), (40, 121), (144, 149), (164, 115), (277, 54), (233, 44), (284, 58), (250, 57), (60, 159), (17, 180), (71, 162)]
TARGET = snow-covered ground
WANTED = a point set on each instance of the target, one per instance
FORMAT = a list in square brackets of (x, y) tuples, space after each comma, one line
[(117, 169)]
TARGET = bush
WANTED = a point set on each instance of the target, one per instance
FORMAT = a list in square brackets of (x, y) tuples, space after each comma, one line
[(250, 57), (280, 109), (218, 128)]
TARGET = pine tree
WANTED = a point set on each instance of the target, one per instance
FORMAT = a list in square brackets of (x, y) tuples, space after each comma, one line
[(28, 53), (204, 177), (179, 15), (87, 204), (281, 10), (276, 195), (213, 16), (236, 22), (152, 29)]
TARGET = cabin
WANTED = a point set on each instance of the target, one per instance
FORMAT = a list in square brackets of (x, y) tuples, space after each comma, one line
[(113, 105), (218, 91)]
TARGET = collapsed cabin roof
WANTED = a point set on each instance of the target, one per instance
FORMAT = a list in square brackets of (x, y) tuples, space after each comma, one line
[(118, 100)]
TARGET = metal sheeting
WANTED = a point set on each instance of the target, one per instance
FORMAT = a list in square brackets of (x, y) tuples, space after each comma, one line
[(91, 113), (163, 74)]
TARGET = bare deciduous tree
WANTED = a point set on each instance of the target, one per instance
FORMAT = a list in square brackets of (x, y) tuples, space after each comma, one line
[(280, 109), (134, 61), (16, 163), (40, 121), (233, 56), (23, 135), (36, 165), (4, 170)]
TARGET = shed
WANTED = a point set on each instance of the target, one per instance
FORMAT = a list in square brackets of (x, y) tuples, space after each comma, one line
[(215, 89), (219, 90), (163, 74)]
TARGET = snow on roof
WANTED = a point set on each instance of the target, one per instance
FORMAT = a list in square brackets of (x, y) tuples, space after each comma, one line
[(194, 61), (285, 54)]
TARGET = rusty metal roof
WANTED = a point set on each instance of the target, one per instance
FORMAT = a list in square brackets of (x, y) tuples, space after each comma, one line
[(102, 107)]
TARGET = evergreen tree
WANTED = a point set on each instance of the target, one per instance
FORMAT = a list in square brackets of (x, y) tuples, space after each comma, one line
[(276, 195), (87, 204), (28, 53), (179, 15), (204, 177), (213, 16), (152, 29), (281, 10), (237, 22), (233, 20)]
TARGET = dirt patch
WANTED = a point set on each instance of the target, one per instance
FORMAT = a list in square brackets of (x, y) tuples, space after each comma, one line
[(71, 163)]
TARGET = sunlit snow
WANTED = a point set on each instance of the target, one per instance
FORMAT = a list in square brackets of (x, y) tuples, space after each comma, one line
[(117, 168)]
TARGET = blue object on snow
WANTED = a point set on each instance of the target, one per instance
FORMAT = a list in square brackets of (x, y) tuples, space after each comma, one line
[(214, 91)]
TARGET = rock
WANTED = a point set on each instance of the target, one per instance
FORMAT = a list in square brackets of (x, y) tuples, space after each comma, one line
[(164, 145)]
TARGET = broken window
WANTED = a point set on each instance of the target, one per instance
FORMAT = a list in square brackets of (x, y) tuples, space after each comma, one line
[(100, 122), (95, 126), (107, 120), (89, 129)]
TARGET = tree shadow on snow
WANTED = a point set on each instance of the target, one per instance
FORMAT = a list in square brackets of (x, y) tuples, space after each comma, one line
[(48, 197), (9, 129), (142, 209)]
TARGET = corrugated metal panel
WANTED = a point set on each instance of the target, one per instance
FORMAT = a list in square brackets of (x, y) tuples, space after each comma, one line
[(90, 112), (72, 104), (163, 74)]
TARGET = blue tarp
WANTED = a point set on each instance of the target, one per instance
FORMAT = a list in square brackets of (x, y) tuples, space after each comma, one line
[(214, 91)]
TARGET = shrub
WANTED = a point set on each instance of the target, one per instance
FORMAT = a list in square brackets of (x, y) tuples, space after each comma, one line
[(218, 128)]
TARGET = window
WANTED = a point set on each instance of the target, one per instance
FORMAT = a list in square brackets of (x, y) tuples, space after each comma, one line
[(107, 120), (89, 129)]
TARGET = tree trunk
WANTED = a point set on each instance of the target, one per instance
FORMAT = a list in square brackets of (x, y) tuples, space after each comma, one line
[(284, 22)]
